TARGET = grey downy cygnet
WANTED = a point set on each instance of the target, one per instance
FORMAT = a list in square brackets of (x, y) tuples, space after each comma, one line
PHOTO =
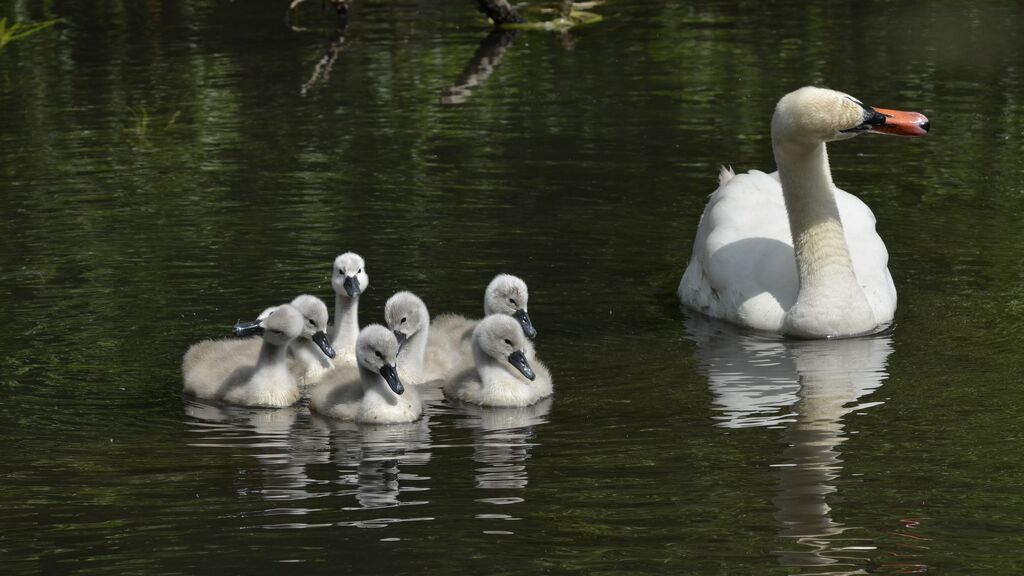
[(371, 393), (451, 333), (504, 371), (263, 381), (310, 355), (349, 280)]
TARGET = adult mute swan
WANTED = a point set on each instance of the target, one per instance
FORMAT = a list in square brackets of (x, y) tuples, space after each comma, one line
[(263, 381), (505, 372), (349, 280), (372, 393), (835, 282)]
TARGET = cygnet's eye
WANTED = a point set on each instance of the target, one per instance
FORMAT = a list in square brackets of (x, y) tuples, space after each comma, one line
[(507, 341), (276, 331), (403, 320), (360, 271), (311, 322), (513, 302), (379, 355), (341, 271)]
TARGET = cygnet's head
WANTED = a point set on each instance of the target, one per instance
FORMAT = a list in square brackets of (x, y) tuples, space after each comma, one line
[(314, 313), (349, 276), (282, 325), (814, 115), (507, 294), (377, 350), (501, 337), (406, 315)]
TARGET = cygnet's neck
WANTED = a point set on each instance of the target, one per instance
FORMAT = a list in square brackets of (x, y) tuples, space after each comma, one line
[(373, 383), (410, 359), (346, 323), (272, 355), (491, 371), (822, 256)]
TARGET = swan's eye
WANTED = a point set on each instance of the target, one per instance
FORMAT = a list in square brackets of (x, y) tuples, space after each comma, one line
[(507, 341), (379, 355), (340, 271), (403, 320), (513, 302), (276, 331), (311, 322), (360, 271)]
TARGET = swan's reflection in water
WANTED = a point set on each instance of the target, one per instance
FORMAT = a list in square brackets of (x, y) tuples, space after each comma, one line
[(303, 457), (805, 387), (502, 440)]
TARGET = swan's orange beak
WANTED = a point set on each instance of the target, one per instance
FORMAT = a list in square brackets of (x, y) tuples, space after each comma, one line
[(899, 123)]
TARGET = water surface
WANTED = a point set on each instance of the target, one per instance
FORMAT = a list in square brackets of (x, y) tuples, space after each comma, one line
[(169, 167)]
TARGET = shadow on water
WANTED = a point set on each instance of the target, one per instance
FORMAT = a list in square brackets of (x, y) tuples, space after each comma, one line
[(806, 388)]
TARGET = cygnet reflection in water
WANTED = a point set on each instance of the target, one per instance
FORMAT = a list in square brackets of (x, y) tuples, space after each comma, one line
[(502, 440)]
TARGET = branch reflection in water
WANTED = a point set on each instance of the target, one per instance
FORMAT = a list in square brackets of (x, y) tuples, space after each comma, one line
[(486, 58), (322, 70), (806, 388)]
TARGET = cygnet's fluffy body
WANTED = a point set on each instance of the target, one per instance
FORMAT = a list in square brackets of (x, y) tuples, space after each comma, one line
[(451, 334), (372, 392), (407, 316), (309, 355), (214, 371), (505, 370), (349, 280)]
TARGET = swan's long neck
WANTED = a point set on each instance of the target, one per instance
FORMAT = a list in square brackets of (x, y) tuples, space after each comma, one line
[(346, 323), (822, 256)]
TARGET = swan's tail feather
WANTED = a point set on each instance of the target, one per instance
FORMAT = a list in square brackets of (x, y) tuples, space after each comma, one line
[(725, 175)]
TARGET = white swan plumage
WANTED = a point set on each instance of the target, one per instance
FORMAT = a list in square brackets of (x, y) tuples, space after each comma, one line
[(744, 268)]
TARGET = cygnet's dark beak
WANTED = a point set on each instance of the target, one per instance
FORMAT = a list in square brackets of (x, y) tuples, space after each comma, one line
[(524, 321), (518, 359), (352, 286), (243, 329), (402, 339), (320, 339), (390, 375)]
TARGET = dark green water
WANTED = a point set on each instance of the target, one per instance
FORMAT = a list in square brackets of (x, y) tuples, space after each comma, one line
[(168, 167)]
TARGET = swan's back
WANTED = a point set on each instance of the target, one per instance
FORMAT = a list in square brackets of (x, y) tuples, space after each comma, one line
[(743, 268)]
